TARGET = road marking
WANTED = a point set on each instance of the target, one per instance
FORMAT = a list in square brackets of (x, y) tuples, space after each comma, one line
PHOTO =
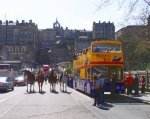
[(10, 97), (10, 107), (2, 100)]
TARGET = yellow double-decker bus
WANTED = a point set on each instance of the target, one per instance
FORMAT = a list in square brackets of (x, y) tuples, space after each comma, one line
[(103, 56)]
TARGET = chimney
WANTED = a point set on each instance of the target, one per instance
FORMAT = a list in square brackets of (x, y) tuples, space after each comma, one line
[(23, 21), (17, 22), (30, 21)]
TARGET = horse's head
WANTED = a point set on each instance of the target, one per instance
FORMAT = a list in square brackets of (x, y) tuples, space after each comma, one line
[(26, 72)]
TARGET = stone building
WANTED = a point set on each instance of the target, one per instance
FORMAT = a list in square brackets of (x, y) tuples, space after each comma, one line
[(25, 42), (20, 40), (82, 40), (47, 38), (59, 45), (138, 31), (104, 31), (131, 31), (49, 51)]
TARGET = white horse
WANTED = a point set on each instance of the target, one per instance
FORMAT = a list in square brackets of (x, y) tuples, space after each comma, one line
[(63, 82)]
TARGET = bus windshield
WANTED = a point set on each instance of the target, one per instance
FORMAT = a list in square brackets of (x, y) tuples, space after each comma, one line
[(5, 70), (5, 67), (107, 71), (106, 48)]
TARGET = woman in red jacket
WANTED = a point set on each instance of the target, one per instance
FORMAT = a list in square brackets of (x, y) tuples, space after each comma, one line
[(129, 82)]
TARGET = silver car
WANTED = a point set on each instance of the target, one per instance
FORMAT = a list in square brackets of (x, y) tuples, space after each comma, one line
[(20, 81), (6, 83)]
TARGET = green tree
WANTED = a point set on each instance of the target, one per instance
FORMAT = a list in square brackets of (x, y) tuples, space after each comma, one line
[(136, 51), (142, 51)]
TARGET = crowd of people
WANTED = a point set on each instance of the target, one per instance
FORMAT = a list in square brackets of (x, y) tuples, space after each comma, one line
[(132, 82), (77, 54)]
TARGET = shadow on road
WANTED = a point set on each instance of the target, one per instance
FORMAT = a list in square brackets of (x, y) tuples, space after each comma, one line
[(120, 99), (32, 92), (66, 92), (3, 91), (105, 106), (42, 92), (117, 99), (55, 92)]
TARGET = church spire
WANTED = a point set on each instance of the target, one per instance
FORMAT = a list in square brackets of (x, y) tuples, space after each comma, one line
[(56, 24)]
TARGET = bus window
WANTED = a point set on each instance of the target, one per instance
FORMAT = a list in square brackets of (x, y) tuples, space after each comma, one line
[(117, 71), (120, 73), (5, 67), (77, 73), (100, 69), (106, 48), (88, 73), (5, 70)]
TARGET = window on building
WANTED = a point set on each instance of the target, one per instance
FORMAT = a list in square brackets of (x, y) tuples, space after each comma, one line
[(23, 49)]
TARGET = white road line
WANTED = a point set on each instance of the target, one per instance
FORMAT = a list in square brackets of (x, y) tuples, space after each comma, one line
[(9, 109), (10, 97), (3, 100)]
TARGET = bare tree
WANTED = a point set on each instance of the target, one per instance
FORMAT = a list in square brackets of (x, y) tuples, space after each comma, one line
[(142, 7)]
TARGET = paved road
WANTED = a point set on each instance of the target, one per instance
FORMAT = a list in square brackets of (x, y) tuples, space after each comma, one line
[(18, 104)]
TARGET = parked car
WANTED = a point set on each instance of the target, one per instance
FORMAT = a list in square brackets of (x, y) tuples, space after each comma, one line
[(20, 81), (6, 83)]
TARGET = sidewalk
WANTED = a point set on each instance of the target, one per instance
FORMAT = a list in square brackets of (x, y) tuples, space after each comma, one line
[(145, 98)]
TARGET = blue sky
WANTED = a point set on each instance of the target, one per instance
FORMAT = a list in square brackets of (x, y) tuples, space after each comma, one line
[(74, 14)]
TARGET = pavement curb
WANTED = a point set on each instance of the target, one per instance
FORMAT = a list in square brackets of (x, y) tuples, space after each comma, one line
[(81, 94)]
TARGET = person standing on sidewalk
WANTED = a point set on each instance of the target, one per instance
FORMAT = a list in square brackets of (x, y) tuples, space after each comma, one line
[(96, 85), (136, 85), (112, 84), (129, 83), (142, 84), (101, 90)]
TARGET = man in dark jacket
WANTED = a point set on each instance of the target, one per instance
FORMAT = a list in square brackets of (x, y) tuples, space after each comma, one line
[(101, 93), (96, 86), (136, 85), (112, 84), (142, 80)]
